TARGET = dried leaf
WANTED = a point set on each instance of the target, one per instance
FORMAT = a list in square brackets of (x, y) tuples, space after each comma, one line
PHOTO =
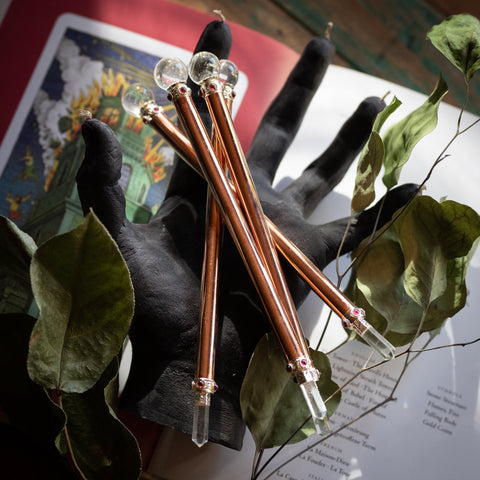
[(371, 161), (103, 447), (83, 289), (273, 406), (401, 138), (458, 39)]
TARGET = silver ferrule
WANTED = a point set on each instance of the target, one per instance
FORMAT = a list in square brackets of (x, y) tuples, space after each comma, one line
[(205, 385), (209, 86), (228, 92), (149, 111), (355, 320), (303, 370), (178, 90)]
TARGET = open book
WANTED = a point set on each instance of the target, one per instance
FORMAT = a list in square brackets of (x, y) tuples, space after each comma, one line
[(432, 430)]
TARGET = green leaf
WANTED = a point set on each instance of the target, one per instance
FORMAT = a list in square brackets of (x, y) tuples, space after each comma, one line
[(380, 279), (26, 404), (370, 162), (102, 446), (458, 39), (368, 169), (425, 262), (272, 405), (432, 233), (401, 138), (83, 289), (463, 226), (418, 265), (16, 252), (385, 113)]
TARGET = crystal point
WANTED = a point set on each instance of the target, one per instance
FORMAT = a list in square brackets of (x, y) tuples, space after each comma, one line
[(379, 343), (201, 418), (315, 404), (356, 321)]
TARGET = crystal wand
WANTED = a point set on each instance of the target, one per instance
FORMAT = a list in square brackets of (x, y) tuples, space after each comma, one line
[(138, 101)]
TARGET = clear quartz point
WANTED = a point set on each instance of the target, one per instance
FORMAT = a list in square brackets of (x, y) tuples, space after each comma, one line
[(316, 406), (356, 321), (379, 343), (201, 418)]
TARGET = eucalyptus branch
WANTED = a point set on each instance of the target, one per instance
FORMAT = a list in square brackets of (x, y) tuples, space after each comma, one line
[(324, 331), (410, 354), (278, 450), (440, 347), (256, 461), (423, 349), (440, 157), (340, 248)]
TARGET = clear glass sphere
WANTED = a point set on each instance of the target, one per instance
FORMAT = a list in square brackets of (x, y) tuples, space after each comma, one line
[(135, 97), (228, 73), (203, 65), (169, 71)]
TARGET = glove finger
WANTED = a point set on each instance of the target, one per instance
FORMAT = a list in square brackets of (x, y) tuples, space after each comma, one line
[(324, 173), (217, 39), (98, 176), (284, 116), (328, 237)]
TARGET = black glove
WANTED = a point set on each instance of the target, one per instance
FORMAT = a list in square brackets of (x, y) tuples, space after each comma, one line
[(165, 256)]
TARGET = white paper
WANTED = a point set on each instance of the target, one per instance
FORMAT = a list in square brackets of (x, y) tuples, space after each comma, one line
[(432, 430)]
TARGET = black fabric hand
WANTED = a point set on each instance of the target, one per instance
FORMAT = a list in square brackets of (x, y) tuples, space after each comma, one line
[(165, 256)]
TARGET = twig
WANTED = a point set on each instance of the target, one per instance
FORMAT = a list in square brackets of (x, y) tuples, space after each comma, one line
[(367, 412)]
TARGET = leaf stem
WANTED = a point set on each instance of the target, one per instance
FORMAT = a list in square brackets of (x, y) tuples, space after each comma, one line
[(71, 455), (324, 331)]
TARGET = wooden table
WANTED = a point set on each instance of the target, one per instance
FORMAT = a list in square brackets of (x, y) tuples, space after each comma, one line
[(384, 38)]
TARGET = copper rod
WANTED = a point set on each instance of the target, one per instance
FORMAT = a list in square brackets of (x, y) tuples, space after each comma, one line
[(210, 279), (318, 281), (246, 192), (236, 223)]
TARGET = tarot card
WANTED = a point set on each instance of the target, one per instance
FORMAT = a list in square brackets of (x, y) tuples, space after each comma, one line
[(86, 65)]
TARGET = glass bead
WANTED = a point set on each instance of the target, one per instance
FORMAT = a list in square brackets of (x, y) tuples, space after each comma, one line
[(203, 65), (228, 73), (135, 97), (169, 71)]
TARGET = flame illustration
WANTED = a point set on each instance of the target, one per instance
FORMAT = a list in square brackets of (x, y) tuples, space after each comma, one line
[(113, 82), (135, 124), (154, 159)]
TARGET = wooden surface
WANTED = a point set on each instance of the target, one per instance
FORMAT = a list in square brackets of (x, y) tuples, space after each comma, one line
[(384, 38)]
